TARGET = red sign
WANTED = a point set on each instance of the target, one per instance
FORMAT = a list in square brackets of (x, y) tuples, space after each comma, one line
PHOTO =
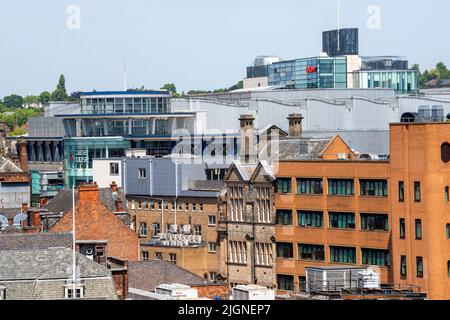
[(311, 69)]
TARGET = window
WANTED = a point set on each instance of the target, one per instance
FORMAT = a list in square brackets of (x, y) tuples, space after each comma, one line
[(142, 173), (311, 252), (285, 250), (186, 206), (448, 231), (309, 186), (285, 283), (419, 265), (341, 187), (201, 206), (237, 252), (198, 230), (417, 195), (448, 268), (142, 229), (418, 229), (156, 229), (114, 169), (144, 255), (173, 258), (375, 257), (445, 152), (403, 266), (447, 196), (70, 293), (308, 219), (180, 206), (211, 220), (152, 204), (158, 255), (264, 254), (374, 222), (139, 204), (284, 185), (342, 220), (284, 217), (194, 206), (402, 229), (343, 255), (401, 191), (374, 188), (212, 247)]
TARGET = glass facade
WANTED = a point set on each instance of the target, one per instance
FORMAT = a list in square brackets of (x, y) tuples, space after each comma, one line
[(402, 81), (80, 153), (316, 72), (132, 104), (341, 42)]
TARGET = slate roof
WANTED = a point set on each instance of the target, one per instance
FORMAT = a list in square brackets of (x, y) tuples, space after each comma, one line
[(35, 241), (146, 275), (55, 263), (62, 202)]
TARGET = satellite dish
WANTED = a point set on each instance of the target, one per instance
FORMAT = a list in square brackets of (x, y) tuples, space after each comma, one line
[(18, 219), (3, 222), (89, 252)]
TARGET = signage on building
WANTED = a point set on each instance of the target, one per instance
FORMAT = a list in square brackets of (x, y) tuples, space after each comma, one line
[(80, 156), (311, 69)]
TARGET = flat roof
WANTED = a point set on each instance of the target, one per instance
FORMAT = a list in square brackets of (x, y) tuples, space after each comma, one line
[(122, 93)]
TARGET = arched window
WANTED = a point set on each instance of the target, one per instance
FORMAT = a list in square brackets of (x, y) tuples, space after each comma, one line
[(445, 152)]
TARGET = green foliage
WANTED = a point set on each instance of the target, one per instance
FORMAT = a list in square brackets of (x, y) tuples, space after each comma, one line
[(440, 72), (19, 131), (239, 85), (60, 94), (19, 117), (44, 97), (13, 101)]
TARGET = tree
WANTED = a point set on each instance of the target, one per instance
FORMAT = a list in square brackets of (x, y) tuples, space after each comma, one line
[(60, 94), (172, 88), (44, 97), (13, 101)]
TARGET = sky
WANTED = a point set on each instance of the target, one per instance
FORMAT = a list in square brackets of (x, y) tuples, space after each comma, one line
[(196, 44)]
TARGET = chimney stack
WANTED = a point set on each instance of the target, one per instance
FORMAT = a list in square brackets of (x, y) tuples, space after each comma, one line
[(114, 187), (295, 125), (24, 208), (247, 130), (88, 193), (23, 157)]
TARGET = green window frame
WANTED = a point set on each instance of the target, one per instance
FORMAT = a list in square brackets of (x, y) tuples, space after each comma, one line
[(402, 229), (374, 188), (419, 267), (311, 252), (403, 268), (284, 185), (309, 219), (375, 257), (309, 186), (417, 192), (341, 187), (343, 255), (284, 217), (342, 220), (401, 191), (418, 229), (374, 222)]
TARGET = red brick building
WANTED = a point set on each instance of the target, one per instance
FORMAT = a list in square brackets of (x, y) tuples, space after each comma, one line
[(95, 222)]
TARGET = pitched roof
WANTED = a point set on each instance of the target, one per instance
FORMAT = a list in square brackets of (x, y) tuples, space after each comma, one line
[(298, 148), (54, 263), (35, 241), (62, 202), (147, 275)]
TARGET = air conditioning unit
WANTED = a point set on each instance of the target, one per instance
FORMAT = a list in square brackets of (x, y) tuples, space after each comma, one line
[(173, 228)]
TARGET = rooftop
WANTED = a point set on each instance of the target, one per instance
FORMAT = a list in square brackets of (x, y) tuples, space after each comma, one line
[(35, 241), (123, 93), (54, 263)]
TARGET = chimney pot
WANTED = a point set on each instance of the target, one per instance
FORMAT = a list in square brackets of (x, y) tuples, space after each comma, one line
[(295, 125)]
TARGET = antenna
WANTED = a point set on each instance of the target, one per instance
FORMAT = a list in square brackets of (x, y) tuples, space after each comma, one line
[(339, 27), (125, 87)]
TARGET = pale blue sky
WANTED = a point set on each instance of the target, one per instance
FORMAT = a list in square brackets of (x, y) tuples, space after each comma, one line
[(197, 44)]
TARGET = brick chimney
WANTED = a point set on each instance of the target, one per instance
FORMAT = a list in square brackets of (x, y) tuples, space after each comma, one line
[(23, 156), (36, 219), (114, 187), (247, 131), (24, 208), (295, 125), (118, 205), (88, 193)]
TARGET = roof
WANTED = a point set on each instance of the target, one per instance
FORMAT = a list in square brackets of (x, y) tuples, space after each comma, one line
[(131, 92), (147, 275), (299, 148), (62, 202), (35, 241), (6, 165), (55, 263)]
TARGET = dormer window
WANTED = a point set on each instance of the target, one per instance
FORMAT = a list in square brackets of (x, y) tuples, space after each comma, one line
[(74, 291)]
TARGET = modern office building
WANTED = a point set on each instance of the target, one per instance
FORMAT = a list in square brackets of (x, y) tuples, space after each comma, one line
[(173, 205), (258, 73), (44, 186), (316, 72), (402, 81), (340, 42), (392, 214)]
